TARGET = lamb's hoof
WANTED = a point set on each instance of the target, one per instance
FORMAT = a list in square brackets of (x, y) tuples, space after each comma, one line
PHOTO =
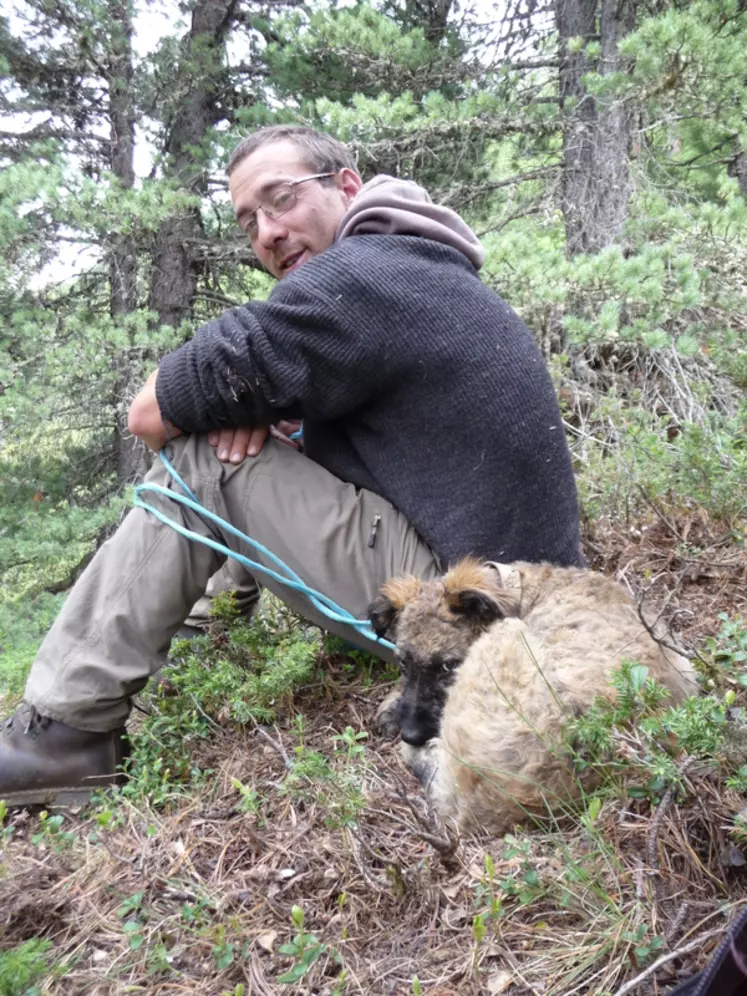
[(387, 715)]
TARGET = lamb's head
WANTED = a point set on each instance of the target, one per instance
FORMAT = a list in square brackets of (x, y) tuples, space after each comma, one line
[(433, 624)]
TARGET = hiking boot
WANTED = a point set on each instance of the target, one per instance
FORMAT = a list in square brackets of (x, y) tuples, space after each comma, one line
[(43, 762)]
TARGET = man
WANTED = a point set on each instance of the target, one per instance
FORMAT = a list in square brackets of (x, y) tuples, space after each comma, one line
[(431, 430)]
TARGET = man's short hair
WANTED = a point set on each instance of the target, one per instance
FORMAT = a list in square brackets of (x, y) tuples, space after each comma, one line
[(321, 153)]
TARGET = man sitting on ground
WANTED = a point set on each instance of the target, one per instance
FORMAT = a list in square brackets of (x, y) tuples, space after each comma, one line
[(431, 431)]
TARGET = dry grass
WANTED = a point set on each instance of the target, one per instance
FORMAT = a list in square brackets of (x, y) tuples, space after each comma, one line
[(394, 895)]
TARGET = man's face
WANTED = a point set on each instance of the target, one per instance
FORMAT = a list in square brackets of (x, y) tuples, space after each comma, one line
[(285, 243)]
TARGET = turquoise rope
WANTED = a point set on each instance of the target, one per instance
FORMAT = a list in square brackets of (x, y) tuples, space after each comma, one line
[(320, 601)]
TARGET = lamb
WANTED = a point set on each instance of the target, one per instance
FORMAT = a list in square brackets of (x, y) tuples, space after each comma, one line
[(496, 659)]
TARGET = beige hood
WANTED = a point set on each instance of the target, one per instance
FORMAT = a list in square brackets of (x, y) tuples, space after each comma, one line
[(386, 206)]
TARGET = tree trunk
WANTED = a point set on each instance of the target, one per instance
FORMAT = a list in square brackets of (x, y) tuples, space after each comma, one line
[(174, 273), (129, 455), (596, 183), (738, 169)]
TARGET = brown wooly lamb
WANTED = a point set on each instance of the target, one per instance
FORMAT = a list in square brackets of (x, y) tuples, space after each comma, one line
[(496, 659)]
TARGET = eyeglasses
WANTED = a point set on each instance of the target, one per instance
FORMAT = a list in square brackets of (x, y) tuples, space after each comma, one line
[(277, 202)]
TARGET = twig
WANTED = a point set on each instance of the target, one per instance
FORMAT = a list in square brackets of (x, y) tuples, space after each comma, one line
[(378, 882), (276, 746), (655, 506), (209, 720), (671, 934), (446, 846), (652, 856), (690, 946), (651, 628)]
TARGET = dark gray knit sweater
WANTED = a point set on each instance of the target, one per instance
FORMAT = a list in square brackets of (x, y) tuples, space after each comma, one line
[(414, 381)]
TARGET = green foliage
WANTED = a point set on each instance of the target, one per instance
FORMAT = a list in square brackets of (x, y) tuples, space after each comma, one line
[(638, 741), (631, 459), (22, 966), (305, 949), (350, 51), (356, 661), (51, 835), (245, 674), (23, 623), (728, 649), (255, 671), (336, 782), (645, 947)]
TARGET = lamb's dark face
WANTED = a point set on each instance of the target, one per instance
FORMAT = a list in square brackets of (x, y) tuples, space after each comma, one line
[(433, 625), (429, 652)]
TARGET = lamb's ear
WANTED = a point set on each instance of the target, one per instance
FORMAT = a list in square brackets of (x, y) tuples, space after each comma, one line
[(483, 605), (390, 601), (474, 590)]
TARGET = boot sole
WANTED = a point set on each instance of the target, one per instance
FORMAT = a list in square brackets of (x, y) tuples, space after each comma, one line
[(77, 795)]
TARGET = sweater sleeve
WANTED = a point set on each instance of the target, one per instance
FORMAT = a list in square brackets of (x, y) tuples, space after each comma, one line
[(314, 349)]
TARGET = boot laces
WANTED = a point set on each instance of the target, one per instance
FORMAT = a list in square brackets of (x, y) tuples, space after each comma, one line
[(28, 717)]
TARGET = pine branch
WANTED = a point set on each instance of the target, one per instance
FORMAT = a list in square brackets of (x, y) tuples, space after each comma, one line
[(531, 64)]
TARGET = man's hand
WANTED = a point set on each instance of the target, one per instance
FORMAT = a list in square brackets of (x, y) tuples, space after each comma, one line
[(144, 419), (233, 445)]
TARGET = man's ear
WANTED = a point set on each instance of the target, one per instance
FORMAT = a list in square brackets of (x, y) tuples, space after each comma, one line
[(349, 183)]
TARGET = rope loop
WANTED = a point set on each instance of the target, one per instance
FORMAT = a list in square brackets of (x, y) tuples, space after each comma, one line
[(291, 580)]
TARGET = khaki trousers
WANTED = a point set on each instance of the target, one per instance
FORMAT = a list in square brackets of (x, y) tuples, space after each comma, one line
[(120, 617)]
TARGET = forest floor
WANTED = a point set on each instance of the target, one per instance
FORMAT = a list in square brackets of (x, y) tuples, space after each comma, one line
[(297, 856)]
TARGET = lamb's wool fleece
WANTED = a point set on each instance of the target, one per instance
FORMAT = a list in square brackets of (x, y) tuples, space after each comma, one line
[(497, 758)]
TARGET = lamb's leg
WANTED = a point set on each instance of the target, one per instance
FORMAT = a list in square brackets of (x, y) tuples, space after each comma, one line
[(387, 715), (429, 766)]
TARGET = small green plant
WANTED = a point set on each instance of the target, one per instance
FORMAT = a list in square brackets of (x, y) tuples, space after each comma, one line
[(643, 948), (305, 949), (488, 893), (5, 832), (250, 801), (352, 742), (50, 832), (335, 783), (224, 950), (196, 913), (479, 929), (728, 649), (525, 884), (131, 912), (22, 966)]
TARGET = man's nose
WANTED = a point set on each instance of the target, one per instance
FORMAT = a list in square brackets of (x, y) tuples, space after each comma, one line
[(270, 231)]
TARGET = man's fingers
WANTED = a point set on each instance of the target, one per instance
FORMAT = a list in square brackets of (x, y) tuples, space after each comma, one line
[(257, 438), (223, 442), (240, 444), (233, 445), (289, 425), (282, 432)]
